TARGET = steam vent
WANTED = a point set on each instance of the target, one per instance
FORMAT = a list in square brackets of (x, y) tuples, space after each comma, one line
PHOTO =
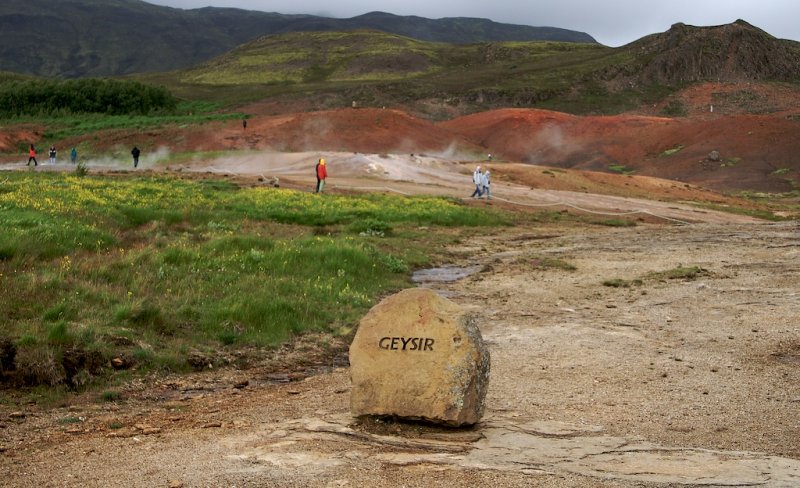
[(419, 356)]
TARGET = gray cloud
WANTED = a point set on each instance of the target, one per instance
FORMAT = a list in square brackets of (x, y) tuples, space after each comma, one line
[(611, 22)]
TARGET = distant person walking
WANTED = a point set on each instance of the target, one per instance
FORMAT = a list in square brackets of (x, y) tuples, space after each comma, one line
[(135, 153), (477, 179), (73, 156), (486, 184), (32, 156), (244, 124), (322, 173), (52, 155)]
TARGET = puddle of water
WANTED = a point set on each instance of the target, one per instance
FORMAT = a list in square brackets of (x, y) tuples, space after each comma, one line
[(445, 274)]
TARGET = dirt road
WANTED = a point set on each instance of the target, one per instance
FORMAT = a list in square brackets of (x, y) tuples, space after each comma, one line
[(665, 382), (442, 174), (446, 175)]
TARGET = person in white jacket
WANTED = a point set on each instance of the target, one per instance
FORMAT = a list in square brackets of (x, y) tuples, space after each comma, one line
[(477, 178), (486, 183)]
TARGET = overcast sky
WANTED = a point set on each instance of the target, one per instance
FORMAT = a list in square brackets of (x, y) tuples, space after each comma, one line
[(611, 22)]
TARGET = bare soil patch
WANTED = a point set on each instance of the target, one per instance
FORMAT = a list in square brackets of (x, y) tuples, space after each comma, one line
[(756, 152), (671, 381), (754, 129)]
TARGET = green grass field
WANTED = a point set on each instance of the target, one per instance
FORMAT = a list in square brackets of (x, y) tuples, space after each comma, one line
[(148, 270)]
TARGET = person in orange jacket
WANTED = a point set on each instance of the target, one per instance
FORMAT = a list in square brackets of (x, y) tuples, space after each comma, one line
[(322, 173), (32, 156)]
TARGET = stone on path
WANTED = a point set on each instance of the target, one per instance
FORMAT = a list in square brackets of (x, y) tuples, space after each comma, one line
[(419, 356)]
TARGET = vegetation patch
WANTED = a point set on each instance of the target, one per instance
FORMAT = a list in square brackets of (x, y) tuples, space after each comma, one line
[(67, 124), (545, 263), (81, 169), (370, 227), (616, 222), (374, 67), (679, 273), (40, 97), (621, 169), (110, 396), (730, 162), (670, 152), (143, 270), (620, 283), (675, 108), (759, 213)]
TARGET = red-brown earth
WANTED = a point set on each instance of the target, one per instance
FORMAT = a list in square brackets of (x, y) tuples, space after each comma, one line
[(755, 129), (665, 382)]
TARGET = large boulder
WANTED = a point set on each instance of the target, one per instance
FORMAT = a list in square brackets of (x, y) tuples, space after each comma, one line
[(419, 356)]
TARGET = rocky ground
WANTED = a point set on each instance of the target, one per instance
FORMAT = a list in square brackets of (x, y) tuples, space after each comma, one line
[(663, 382), (656, 381)]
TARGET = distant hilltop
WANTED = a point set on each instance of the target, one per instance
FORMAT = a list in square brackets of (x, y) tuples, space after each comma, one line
[(78, 38), (732, 52)]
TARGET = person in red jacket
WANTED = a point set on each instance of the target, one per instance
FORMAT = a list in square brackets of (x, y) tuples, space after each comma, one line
[(322, 173), (32, 156)]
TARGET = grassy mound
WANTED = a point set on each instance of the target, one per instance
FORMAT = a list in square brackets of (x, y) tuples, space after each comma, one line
[(144, 272)]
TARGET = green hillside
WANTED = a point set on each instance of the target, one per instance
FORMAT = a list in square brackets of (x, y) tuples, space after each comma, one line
[(379, 69), (332, 69), (322, 57)]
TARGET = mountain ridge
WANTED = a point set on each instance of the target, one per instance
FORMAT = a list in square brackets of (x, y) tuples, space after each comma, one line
[(77, 38)]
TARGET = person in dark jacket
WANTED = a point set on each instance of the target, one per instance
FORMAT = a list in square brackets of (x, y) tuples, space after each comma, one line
[(73, 156), (322, 173), (135, 153)]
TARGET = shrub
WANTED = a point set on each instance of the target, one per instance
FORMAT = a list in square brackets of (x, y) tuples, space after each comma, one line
[(144, 355), (39, 365), (59, 334), (551, 263), (621, 169), (620, 283), (370, 227), (81, 169), (670, 152), (149, 314), (679, 273), (61, 311), (53, 97), (616, 223), (393, 263), (8, 354), (228, 337), (675, 108), (110, 396)]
